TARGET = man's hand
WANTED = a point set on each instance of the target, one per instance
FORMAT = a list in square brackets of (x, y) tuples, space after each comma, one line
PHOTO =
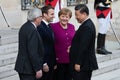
[(45, 67), (39, 74), (77, 67)]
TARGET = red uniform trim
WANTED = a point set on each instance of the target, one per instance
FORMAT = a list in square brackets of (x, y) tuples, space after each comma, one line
[(52, 3), (103, 13)]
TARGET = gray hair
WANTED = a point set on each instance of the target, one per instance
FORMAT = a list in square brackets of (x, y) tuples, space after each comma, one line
[(33, 14)]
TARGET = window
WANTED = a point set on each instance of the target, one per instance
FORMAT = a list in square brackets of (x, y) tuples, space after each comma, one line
[(75, 2), (28, 4)]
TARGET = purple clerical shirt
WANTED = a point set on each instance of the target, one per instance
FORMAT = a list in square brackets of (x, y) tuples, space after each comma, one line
[(63, 39)]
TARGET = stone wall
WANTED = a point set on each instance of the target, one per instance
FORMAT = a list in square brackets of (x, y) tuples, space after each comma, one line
[(16, 17), (13, 13)]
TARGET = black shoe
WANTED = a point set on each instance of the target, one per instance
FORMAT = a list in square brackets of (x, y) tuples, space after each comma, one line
[(103, 51)]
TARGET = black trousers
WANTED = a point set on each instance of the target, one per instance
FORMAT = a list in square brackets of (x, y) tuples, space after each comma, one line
[(82, 75), (27, 77), (63, 72)]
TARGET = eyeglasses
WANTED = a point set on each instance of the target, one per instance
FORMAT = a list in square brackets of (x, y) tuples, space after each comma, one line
[(39, 17)]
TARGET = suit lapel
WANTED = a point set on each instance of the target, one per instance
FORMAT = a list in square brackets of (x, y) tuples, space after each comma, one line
[(48, 30), (51, 32), (35, 30)]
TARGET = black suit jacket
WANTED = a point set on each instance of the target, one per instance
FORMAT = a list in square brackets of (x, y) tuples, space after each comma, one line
[(31, 50), (48, 41), (82, 50)]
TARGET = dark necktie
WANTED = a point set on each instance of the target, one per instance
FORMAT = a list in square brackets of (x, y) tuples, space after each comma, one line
[(51, 31)]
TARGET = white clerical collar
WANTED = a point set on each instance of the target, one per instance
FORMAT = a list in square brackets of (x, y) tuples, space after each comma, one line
[(34, 24)]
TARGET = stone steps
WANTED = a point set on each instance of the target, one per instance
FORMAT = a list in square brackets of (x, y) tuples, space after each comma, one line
[(7, 59), (14, 77), (7, 71), (113, 75), (8, 48), (107, 65), (8, 39), (102, 58), (8, 53)]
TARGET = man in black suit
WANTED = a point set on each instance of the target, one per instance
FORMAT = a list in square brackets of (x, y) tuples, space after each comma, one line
[(29, 61), (82, 52), (48, 41)]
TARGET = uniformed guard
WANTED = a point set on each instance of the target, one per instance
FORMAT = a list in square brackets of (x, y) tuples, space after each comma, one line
[(103, 14)]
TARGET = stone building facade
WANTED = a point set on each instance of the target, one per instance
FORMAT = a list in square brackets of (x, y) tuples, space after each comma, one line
[(13, 13)]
